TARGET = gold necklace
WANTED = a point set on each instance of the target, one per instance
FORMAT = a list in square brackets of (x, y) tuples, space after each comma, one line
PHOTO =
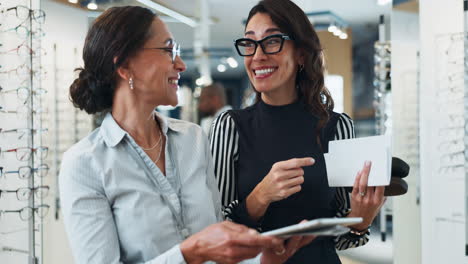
[(157, 143), (160, 149)]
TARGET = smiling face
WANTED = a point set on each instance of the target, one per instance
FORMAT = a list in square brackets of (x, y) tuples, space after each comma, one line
[(154, 75), (270, 73)]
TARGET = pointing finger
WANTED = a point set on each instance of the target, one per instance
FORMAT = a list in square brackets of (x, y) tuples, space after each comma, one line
[(296, 163)]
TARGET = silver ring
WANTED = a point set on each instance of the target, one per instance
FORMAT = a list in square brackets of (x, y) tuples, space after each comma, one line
[(362, 194), (280, 252)]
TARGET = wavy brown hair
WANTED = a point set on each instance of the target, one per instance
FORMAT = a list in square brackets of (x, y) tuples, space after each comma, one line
[(310, 83)]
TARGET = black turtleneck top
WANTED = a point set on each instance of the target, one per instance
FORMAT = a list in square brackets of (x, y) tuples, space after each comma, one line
[(246, 143)]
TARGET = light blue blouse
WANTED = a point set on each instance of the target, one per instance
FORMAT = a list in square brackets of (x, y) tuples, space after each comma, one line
[(119, 208)]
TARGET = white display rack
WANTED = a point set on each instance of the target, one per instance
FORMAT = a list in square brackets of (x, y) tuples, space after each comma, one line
[(21, 138)]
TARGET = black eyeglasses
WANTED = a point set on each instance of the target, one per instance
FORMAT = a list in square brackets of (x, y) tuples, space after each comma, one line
[(175, 51), (23, 12), (270, 45)]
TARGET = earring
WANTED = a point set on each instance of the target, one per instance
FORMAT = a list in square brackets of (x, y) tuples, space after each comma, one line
[(130, 82), (301, 67)]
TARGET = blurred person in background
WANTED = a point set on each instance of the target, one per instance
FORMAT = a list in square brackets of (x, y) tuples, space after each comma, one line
[(212, 102)]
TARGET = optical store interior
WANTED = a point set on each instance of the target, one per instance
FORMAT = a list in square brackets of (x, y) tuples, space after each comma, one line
[(397, 69)]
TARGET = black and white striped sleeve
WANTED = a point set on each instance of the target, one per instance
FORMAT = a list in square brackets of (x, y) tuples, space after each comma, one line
[(224, 148), (345, 130)]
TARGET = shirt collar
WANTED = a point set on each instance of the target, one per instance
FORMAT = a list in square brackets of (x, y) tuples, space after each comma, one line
[(168, 123), (113, 133)]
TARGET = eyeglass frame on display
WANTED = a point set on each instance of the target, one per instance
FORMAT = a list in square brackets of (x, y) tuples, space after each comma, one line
[(24, 32), (39, 170), (17, 231), (451, 146), (35, 209), (20, 113), (25, 70), (31, 13), (458, 158), (24, 95), (23, 131), (30, 51), (40, 192), (451, 169), (10, 249), (31, 150)]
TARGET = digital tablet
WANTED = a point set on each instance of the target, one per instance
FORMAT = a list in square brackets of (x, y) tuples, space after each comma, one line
[(317, 227)]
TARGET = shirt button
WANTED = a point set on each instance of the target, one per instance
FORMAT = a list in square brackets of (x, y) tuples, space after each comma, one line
[(185, 233)]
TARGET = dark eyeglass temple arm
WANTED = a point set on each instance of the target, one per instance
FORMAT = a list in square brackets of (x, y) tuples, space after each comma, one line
[(14, 250)]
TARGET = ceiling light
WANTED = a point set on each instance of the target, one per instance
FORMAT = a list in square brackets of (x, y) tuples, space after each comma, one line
[(169, 12), (203, 80), (232, 62), (383, 2), (73, 1), (92, 5), (337, 32), (343, 36), (332, 28), (221, 68)]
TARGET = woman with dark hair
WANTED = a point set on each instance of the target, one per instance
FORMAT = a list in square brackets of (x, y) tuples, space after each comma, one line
[(141, 188), (268, 157)]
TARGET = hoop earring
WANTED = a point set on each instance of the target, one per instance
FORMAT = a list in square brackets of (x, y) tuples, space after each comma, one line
[(301, 67), (130, 82)]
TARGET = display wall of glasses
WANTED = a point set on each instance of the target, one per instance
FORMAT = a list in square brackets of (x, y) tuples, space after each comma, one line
[(23, 152), (450, 133)]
